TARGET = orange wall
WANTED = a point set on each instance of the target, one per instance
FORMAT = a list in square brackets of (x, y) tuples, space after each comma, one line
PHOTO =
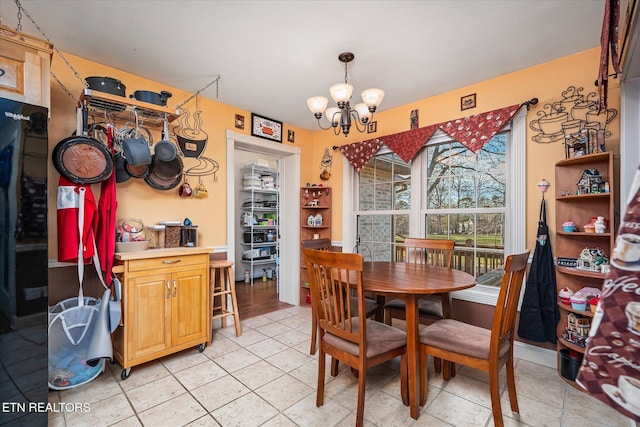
[(136, 199), (544, 81)]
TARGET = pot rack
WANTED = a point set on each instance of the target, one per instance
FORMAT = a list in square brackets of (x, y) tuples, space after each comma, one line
[(121, 108)]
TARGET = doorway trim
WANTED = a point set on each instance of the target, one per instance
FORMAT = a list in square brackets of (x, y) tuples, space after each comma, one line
[(289, 167)]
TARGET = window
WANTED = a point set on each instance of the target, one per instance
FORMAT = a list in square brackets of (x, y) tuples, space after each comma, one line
[(485, 205), (384, 197), (465, 200)]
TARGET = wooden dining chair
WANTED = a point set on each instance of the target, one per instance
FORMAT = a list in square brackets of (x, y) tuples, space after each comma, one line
[(371, 305), (480, 348), (346, 334), (437, 252)]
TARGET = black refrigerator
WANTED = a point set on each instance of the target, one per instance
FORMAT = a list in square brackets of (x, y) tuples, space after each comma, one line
[(23, 262)]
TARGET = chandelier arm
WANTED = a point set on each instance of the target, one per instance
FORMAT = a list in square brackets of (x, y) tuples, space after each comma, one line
[(323, 128), (356, 119)]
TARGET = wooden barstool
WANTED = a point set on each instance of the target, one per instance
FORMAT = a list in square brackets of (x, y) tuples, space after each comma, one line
[(221, 285)]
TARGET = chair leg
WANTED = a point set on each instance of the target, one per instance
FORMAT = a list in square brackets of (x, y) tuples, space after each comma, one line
[(404, 380), (511, 385), (334, 367), (234, 303), (437, 364), (446, 370), (314, 331), (321, 369), (387, 317), (223, 297), (423, 378), (362, 383), (495, 397)]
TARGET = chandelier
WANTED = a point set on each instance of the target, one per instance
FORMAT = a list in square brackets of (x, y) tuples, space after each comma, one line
[(340, 117)]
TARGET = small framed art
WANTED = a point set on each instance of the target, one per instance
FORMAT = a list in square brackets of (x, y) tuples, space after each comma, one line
[(468, 101), (239, 121), (291, 136), (372, 127), (264, 127)]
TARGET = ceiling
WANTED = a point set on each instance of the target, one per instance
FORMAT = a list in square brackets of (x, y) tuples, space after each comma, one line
[(273, 55)]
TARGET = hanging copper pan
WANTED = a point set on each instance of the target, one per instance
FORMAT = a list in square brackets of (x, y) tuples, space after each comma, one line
[(81, 159)]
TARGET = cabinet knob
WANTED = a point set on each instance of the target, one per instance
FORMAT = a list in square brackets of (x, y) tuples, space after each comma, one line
[(168, 289), (175, 288), (171, 261)]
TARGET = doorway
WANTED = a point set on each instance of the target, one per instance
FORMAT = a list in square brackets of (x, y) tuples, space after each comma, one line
[(288, 164)]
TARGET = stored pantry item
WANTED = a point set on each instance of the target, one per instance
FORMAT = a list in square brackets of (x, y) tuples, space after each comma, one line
[(135, 246), (172, 236)]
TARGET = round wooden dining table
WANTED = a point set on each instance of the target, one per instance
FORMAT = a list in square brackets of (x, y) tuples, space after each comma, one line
[(410, 281)]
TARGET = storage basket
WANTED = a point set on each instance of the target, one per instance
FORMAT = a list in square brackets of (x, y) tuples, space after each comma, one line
[(70, 330), (570, 362)]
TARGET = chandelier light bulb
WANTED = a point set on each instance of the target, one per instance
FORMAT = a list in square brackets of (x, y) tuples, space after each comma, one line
[(333, 115), (317, 104), (373, 97), (341, 92), (363, 113)]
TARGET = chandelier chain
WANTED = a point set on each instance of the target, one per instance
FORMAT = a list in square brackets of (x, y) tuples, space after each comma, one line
[(84, 83), (216, 81)]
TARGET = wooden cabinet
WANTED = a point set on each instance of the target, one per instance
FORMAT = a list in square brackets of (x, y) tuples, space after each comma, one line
[(165, 303), (25, 61), (315, 222), (579, 202)]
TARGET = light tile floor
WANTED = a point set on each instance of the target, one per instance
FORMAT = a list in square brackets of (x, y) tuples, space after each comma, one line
[(266, 377)]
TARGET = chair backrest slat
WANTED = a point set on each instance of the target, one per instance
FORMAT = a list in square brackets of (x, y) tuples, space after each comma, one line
[(333, 276), (507, 304), (437, 252)]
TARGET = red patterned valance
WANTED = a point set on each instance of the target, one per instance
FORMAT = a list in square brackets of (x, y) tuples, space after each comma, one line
[(475, 131), (472, 132), (359, 153), (407, 144)]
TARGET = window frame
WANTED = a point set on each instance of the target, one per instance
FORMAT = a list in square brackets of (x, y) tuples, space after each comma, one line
[(515, 215)]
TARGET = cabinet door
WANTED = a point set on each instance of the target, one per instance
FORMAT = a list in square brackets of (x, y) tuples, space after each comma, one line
[(148, 315), (189, 306)]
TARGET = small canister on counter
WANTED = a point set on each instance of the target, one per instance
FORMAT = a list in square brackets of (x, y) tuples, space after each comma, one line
[(172, 236)]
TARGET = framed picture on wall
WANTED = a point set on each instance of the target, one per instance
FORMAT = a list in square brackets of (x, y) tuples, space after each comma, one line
[(264, 127), (372, 127), (468, 101), (291, 136), (239, 121)]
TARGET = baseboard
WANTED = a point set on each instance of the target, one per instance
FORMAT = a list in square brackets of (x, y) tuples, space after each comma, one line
[(539, 355)]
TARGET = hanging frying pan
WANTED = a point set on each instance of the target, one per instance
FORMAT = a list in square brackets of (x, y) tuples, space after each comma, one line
[(120, 166), (166, 170), (158, 183), (81, 159)]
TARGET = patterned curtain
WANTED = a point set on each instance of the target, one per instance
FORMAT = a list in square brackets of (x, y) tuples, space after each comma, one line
[(472, 132), (475, 131), (407, 144), (358, 154), (608, 47)]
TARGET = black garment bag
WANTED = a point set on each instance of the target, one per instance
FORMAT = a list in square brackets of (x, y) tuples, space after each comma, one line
[(539, 314)]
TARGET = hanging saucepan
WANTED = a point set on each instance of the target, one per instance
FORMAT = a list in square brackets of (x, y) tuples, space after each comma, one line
[(167, 170), (120, 166), (82, 160), (152, 97), (165, 150)]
